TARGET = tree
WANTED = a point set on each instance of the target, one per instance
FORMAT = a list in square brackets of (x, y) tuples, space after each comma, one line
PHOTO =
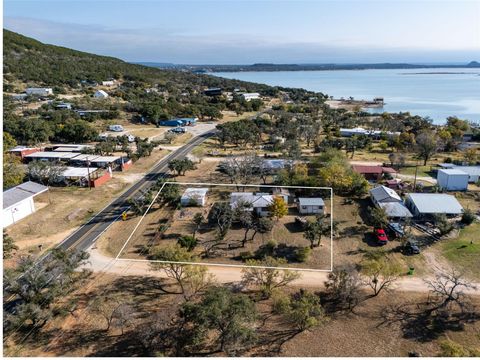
[(226, 316), (170, 193), (13, 172), (110, 308), (261, 225), (314, 230), (343, 288), (266, 276), (378, 217), (448, 290), (427, 145), (191, 279), (244, 216), (45, 172), (442, 223), (277, 208), (197, 220), (470, 155), (181, 166), (380, 271), (303, 309), (40, 285), (221, 216), (8, 245)]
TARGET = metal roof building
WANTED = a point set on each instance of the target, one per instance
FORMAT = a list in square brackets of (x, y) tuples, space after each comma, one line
[(194, 196), (390, 202), (18, 201), (431, 204)]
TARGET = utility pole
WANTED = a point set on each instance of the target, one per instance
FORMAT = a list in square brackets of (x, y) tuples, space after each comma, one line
[(88, 171), (415, 179)]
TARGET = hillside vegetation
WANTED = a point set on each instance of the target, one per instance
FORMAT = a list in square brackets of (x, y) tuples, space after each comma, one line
[(30, 61)]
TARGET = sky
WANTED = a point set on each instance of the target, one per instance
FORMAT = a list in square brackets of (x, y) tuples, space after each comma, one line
[(250, 31)]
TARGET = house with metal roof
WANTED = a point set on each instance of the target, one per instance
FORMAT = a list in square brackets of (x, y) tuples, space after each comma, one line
[(308, 206), (388, 199), (254, 202), (18, 201), (472, 171), (194, 197), (100, 94), (424, 205)]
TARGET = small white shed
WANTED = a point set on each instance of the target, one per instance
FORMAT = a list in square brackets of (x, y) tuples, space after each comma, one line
[(100, 94), (194, 197), (18, 202), (311, 206), (452, 179)]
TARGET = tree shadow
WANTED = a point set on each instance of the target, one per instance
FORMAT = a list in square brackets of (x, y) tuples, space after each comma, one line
[(423, 323)]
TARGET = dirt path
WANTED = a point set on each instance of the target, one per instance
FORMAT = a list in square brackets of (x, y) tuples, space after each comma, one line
[(227, 274)]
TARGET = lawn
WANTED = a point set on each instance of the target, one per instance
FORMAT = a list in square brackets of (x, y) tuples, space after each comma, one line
[(462, 253), (423, 171)]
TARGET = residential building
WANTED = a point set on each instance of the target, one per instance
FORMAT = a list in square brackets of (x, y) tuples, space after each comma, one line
[(308, 206), (213, 92), (39, 91), (250, 96), (18, 202), (373, 172), (179, 122), (452, 179), (388, 199), (256, 202), (426, 205), (100, 94), (194, 197)]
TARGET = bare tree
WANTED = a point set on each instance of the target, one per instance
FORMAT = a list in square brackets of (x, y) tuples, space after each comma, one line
[(448, 289), (343, 288)]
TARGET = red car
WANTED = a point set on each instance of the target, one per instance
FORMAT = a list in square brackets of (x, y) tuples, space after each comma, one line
[(381, 236)]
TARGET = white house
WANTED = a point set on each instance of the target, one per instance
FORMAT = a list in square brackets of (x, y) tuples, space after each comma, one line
[(432, 204), (387, 199), (39, 91), (253, 202), (311, 206), (250, 96), (116, 128), (452, 179), (108, 83), (194, 197), (100, 94), (18, 202)]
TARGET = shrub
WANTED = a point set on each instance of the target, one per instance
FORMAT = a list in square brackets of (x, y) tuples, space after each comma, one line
[(468, 217), (302, 254), (188, 242), (246, 255)]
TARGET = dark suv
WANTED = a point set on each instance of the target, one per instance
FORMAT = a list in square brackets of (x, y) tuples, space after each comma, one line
[(411, 248)]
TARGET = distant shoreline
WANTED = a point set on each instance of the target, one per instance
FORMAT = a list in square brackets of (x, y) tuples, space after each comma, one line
[(307, 67)]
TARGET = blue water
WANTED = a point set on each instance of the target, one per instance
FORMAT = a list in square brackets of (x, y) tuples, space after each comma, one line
[(422, 92)]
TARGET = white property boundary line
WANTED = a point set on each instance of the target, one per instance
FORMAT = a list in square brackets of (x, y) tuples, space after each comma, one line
[(117, 258)]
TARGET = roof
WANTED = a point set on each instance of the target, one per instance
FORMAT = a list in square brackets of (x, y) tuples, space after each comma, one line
[(21, 148), (436, 203), (372, 169), (106, 159), (195, 192), (258, 200), (311, 201), (78, 171), (453, 171), (470, 170), (85, 157), (395, 209), (383, 193), (101, 92), (446, 165), (21, 192), (53, 155)]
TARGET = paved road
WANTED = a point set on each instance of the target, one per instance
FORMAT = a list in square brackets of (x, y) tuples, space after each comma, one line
[(86, 235)]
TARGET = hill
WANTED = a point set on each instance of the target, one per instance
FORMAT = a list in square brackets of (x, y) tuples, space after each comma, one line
[(30, 61)]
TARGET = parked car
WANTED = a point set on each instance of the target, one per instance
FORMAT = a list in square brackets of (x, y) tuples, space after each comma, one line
[(410, 248), (381, 236), (178, 130), (116, 128)]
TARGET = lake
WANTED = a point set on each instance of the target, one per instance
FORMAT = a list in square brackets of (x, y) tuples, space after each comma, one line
[(437, 93)]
